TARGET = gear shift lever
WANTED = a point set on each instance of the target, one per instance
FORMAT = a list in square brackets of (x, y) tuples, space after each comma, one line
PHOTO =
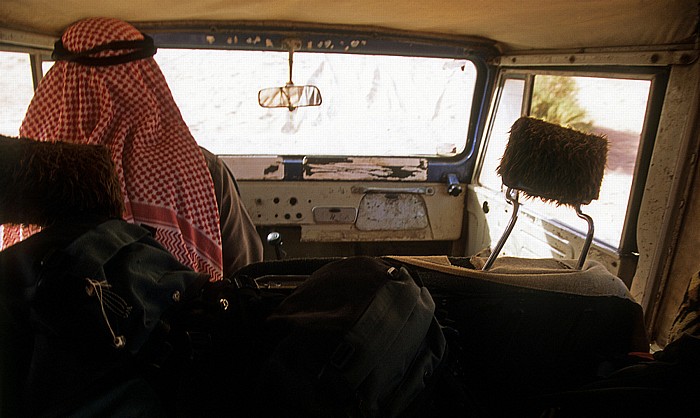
[(274, 238)]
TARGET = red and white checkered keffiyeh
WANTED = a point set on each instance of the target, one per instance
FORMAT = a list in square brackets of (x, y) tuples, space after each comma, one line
[(130, 108)]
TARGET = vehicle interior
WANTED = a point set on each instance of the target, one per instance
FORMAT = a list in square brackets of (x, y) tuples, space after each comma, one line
[(379, 128)]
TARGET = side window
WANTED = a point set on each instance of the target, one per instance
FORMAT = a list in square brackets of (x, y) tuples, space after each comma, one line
[(46, 66), (510, 106), (16, 90), (614, 107)]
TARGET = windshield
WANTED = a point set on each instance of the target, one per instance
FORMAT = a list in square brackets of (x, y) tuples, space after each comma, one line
[(372, 105)]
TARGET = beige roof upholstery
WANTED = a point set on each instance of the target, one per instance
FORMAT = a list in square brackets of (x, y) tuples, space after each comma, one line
[(516, 25)]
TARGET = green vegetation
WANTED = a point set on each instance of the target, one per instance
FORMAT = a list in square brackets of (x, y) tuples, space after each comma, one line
[(554, 99)]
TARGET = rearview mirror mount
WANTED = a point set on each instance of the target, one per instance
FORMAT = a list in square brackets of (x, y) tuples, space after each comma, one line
[(290, 96)]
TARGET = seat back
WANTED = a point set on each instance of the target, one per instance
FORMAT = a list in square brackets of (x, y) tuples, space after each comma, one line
[(45, 182)]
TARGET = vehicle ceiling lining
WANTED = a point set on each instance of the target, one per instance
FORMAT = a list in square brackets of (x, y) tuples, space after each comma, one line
[(515, 25)]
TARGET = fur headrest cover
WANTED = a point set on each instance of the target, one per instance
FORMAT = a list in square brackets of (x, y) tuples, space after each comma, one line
[(42, 182), (554, 163)]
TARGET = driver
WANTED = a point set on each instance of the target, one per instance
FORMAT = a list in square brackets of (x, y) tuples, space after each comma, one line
[(105, 88)]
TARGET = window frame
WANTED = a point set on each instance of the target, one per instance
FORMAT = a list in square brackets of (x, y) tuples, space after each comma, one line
[(627, 250), (294, 167)]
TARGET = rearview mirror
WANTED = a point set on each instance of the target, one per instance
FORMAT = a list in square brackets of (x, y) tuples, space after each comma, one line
[(289, 96)]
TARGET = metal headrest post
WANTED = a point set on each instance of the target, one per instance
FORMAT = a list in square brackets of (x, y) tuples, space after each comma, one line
[(512, 197), (589, 237)]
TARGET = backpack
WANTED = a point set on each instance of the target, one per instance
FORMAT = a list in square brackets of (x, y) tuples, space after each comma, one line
[(358, 338), (85, 301)]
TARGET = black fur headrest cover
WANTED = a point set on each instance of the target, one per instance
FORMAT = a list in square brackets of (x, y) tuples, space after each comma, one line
[(554, 163), (42, 182)]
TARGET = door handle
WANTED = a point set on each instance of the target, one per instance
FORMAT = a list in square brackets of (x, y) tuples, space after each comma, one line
[(453, 186)]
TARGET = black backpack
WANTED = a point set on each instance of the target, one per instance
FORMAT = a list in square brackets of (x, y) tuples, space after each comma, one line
[(358, 338), (83, 307)]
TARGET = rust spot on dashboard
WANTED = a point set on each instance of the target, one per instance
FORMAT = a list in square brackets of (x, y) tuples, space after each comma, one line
[(255, 168), (366, 168), (271, 169)]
